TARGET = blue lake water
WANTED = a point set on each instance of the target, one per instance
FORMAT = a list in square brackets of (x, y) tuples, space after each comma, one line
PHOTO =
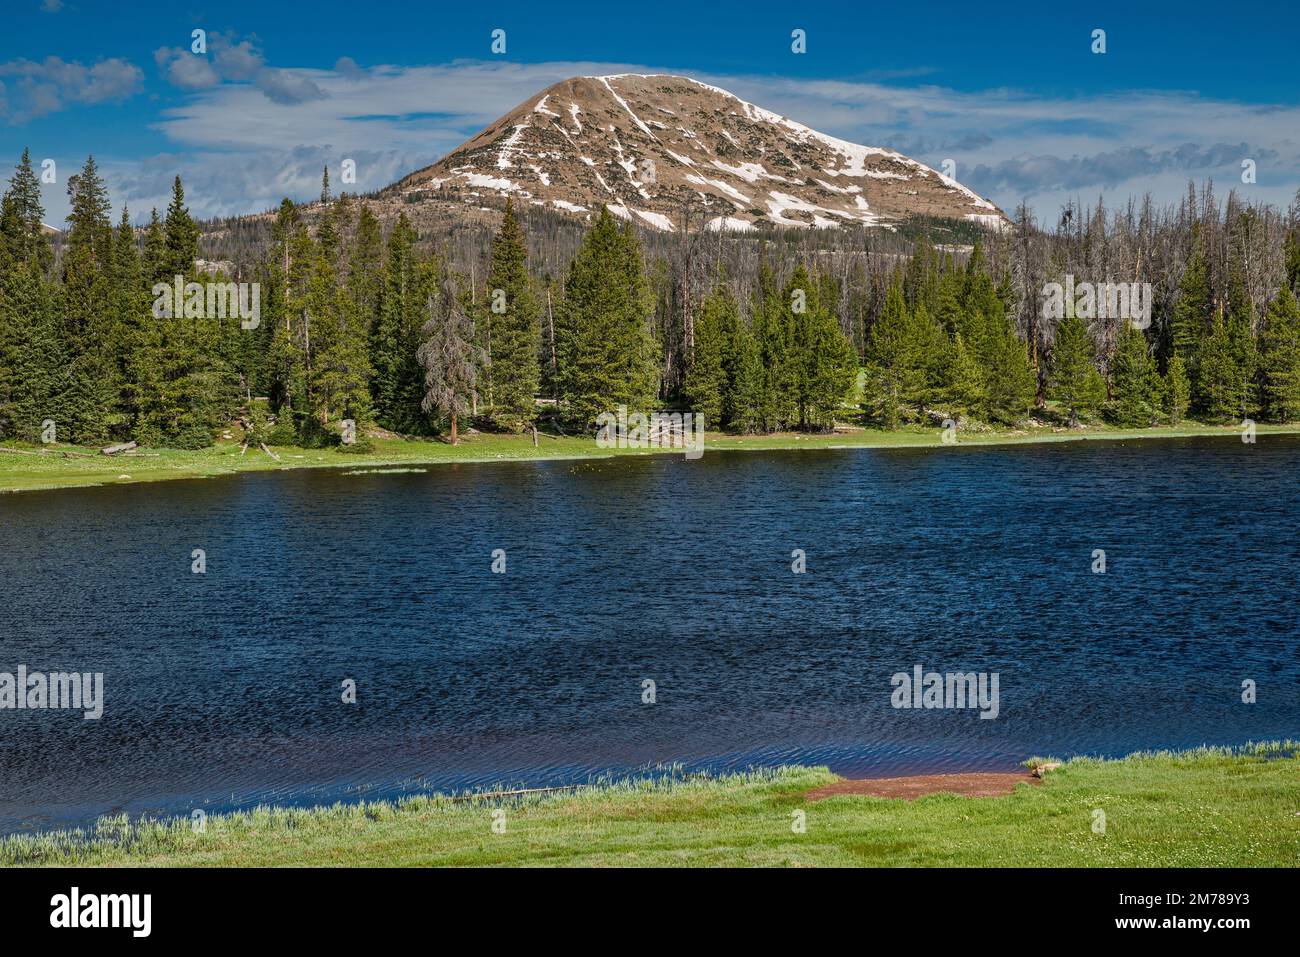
[(224, 689)]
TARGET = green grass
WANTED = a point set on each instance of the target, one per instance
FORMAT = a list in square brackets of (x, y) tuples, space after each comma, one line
[(48, 468), (1202, 808)]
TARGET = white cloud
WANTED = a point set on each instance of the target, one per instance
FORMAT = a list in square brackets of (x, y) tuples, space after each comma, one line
[(40, 88), (234, 61), (241, 146)]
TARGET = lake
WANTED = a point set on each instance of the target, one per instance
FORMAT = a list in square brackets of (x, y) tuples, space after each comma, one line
[(224, 690)]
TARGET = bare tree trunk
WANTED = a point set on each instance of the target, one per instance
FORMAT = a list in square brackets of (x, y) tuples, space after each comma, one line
[(550, 321), (454, 439)]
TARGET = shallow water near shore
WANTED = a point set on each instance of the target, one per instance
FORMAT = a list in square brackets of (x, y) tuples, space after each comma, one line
[(223, 690)]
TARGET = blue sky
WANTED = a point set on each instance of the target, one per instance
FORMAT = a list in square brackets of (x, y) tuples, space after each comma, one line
[(1016, 98)]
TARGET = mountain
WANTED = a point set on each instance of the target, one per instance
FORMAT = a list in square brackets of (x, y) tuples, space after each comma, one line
[(647, 146)]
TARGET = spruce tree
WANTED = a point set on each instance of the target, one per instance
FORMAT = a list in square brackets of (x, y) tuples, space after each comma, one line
[(1177, 390), (340, 370), (896, 362), (1192, 310), (513, 317), (88, 294), (1218, 380), (707, 387), (131, 311), (607, 351), (180, 235), (1136, 387), (366, 268), (398, 381), (962, 388), (21, 219), (34, 369), (742, 396), (1291, 260), (823, 360), (772, 339), (153, 261), (1009, 381), (1280, 358), (1073, 379)]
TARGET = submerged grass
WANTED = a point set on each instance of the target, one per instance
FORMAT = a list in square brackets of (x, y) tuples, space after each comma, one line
[(1208, 807), (32, 468)]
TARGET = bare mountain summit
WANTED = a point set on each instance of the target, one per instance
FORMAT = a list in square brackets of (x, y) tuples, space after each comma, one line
[(646, 146)]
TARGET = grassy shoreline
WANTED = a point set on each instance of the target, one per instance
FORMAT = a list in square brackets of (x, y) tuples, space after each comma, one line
[(46, 468), (1209, 807)]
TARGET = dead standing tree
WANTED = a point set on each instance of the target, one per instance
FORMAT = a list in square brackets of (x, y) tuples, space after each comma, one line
[(448, 356)]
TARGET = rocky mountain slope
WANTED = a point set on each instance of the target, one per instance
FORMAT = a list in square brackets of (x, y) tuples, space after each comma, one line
[(668, 151)]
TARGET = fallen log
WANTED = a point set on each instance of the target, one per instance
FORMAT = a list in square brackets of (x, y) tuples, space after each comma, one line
[(115, 449), (268, 451), (19, 451)]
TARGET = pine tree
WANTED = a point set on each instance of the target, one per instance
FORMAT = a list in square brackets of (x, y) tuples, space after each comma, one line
[(1136, 385), (1280, 358), (1073, 379), (513, 317)]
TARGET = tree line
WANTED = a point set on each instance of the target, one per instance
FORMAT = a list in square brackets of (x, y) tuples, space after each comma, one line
[(366, 326)]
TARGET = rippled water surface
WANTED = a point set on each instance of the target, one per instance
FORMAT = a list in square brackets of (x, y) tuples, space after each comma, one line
[(223, 690)]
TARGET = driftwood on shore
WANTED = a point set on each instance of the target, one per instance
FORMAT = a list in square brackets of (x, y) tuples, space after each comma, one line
[(66, 453), (118, 449), (492, 795)]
